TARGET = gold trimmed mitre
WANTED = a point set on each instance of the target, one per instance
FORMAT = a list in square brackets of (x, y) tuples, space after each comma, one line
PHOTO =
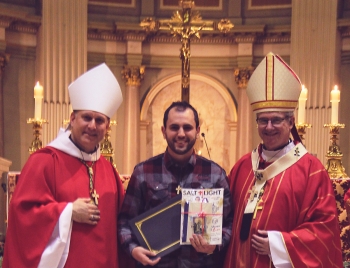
[(273, 86)]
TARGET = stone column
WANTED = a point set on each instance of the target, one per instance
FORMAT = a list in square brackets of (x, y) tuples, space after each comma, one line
[(62, 57), (314, 57), (4, 167), (232, 153), (4, 58), (3, 61), (244, 126), (133, 75), (143, 140)]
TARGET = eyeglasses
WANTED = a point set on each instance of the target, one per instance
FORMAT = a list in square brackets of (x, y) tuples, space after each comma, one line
[(275, 121)]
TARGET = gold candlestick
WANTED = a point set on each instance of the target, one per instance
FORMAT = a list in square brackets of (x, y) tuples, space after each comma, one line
[(106, 146), (301, 128), (334, 164), (37, 126)]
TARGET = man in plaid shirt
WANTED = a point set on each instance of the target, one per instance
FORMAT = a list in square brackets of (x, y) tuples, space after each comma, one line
[(155, 181)]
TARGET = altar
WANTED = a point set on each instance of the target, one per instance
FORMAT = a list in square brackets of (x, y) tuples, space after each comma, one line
[(341, 186)]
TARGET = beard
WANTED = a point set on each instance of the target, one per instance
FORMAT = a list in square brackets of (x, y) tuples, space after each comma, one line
[(172, 144)]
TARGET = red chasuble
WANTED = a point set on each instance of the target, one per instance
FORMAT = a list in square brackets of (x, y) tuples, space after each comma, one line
[(299, 202), (49, 180)]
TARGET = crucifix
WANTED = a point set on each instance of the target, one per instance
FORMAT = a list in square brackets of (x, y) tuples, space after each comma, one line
[(257, 208), (184, 25), (95, 196)]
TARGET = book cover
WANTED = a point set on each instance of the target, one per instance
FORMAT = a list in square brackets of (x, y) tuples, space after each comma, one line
[(201, 213)]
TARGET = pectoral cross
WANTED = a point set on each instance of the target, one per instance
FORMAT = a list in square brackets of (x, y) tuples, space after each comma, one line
[(253, 192), (257, 208), (178, 189), (95, 197)]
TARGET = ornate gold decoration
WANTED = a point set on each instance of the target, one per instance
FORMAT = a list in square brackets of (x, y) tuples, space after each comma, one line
[(133, 75), (225, 26), (242, 76), (37, 126), (150, 25), (184, 24), (301, 128), (334, 164)]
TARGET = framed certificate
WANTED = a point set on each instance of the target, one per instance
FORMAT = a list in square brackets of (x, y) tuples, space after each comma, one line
[(158, 229)]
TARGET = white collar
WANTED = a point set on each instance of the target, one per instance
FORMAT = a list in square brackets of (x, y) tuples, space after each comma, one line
[(64, 144), (273, 155)]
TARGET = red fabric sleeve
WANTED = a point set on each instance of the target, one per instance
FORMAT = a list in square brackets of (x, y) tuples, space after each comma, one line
[(33, 212)]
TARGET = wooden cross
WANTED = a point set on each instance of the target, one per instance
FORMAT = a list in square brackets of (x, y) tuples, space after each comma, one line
[(184, 25), (178, 189), (95, 196), (257, 208), (253, 192)]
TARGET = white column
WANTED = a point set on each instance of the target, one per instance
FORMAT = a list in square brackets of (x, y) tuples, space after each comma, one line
[(62, 54), (143, 140), (232, 153), (244, 122), (4, 167), (314, 58), (133, 76)]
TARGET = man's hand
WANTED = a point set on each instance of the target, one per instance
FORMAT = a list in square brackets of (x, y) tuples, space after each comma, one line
[(260, 242), (201, 245), (85, 212), (141, 255)]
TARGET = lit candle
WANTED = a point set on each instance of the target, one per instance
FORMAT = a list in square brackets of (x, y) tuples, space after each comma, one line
[(301, 105), (335, 99), (38, 96)]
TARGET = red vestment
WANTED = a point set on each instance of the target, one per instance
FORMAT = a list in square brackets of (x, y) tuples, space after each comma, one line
[(299, 202), (49, 180)]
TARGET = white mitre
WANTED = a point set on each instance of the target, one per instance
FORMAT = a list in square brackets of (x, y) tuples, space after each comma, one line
[(96, 90), (273, 86)]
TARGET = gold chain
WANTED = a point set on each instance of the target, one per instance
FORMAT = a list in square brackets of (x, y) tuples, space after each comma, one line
[(91, 180)]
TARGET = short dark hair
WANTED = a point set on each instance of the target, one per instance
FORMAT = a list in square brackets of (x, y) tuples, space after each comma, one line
[(180, 106)]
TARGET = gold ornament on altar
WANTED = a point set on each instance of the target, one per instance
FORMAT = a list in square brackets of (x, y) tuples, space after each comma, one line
[(334, 156), (301, 128), (37, 126), (37, 121), (106, 148), (107, 152), (334, 164)]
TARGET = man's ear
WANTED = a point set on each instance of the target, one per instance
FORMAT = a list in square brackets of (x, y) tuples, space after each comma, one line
[(72, 117), (292, 121), (198, 132), (163, 131)]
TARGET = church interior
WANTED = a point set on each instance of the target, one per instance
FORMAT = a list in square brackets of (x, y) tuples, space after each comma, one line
[(53, 42)]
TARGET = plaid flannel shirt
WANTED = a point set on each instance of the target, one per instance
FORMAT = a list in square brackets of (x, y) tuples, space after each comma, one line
[(155, 181)]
